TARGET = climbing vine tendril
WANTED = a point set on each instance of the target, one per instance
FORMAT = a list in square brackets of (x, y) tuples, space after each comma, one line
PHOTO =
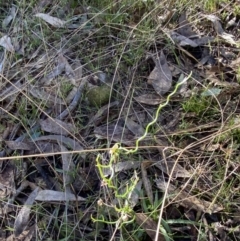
[(125, 211)]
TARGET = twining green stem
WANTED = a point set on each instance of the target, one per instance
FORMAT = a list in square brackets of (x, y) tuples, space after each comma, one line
[(126, 209), (156, 117)]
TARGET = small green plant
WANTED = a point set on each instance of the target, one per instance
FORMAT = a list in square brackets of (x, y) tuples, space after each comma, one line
[(200, 105), (125, 211)]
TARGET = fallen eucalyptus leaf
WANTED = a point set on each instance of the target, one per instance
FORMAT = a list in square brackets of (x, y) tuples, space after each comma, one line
[(56, 196), (212, 92), (161, 77), (182, 40), (62, 139), (149, 99), (17, 145), (22, 218), (184, 26), (6, 42), (55, 22), (167, 165), (56, 126), (134, 127)]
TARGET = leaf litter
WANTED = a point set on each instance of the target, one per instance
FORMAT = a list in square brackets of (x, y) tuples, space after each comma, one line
[(63, 123)]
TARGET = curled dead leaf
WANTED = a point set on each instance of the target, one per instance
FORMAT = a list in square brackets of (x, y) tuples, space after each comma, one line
[(160, 77)]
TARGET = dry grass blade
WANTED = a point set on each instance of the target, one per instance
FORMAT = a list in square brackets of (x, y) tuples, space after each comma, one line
[(68, 168)]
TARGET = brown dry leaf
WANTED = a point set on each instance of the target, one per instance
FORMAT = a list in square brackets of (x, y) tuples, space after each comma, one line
[(44, 147), (55, 22), (7, 184), (56, 196), (160, 77), (22, 218), (102, 113), (115, 133), (146, 182), (167, 165), (16, 145), (6, 43), (135, 128), (184, 27), (203, 40), (74, 145), (56, 126), (186, 200), (149, 99), (149, 225), (182, 40)]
